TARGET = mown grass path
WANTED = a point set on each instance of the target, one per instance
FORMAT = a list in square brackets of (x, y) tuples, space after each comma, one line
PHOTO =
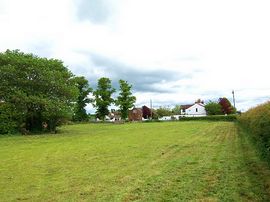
[(172, 161)]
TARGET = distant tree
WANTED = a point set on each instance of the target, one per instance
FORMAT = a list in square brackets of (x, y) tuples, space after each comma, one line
[(82, 100), (125, 100), (35, 92), (226, 106), (176, 110), (147, 112), (103, 97), (163, 111), (154, 114), (213, 108)]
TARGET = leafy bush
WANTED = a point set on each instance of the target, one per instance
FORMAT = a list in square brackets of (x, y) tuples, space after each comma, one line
[(257, 122)]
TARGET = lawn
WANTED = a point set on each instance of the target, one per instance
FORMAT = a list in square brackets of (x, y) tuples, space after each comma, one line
[(172, 161)]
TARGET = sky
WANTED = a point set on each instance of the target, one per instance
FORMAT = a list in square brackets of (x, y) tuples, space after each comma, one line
[(171, 51)]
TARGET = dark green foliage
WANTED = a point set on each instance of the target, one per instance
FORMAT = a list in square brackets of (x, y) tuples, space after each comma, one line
[(213, 108), (257, 122), (125, 100), (210, 118), (82, 100), (103, 97), (37, 92), (9, 118)]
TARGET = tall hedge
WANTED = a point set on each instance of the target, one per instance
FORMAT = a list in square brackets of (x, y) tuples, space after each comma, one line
[(257, 122)]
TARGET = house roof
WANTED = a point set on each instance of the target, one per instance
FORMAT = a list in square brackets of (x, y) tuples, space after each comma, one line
[(186, 106), (190, 105)]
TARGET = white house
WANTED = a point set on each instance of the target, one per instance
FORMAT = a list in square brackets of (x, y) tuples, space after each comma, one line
[(196, 109)]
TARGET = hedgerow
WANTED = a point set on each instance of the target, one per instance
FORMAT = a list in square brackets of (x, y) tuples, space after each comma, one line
[(210, 118), (257, 122)]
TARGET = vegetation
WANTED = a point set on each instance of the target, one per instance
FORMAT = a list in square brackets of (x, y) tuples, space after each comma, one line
[(163, 111), (213, 108), (226, 106), (231, 117), (35, 93), (39, 94), (103, 97), (125, 100), (147, 112), (257, 122), (223, 106), (176, 110), (82, 100), (190, 161), (10, 118)]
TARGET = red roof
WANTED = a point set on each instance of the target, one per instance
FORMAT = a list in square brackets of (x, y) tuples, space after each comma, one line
[(186, 106)]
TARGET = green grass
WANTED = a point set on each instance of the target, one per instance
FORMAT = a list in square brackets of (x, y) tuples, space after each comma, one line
[(170, 161)]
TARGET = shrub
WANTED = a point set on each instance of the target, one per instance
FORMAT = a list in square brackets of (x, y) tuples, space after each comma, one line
[(257, 122)]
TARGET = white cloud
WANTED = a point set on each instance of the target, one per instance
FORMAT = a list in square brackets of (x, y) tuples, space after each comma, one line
[(223, 45)]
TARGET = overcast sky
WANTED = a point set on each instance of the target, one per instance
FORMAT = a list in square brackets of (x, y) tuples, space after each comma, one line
[(171, 51)]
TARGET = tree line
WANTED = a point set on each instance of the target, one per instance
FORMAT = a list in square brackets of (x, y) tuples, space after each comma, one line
[(39, 94), (220, 107)]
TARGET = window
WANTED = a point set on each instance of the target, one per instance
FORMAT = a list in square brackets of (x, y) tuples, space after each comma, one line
[(196, 109)]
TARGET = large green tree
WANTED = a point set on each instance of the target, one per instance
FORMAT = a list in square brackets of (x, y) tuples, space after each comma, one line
[(213, 108), (82, 100), (125, 100), (103, 97), (35, 93)]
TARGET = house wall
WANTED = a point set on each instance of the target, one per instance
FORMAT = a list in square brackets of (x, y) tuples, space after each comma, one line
[(191, 111)]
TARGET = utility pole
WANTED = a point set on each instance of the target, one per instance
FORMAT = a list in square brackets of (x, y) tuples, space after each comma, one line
[(151, 108), (233, 99)]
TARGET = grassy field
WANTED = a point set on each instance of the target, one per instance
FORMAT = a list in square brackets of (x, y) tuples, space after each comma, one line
[(172, 161)]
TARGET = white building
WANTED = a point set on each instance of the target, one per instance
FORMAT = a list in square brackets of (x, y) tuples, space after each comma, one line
[(169, 118), (196, 109)]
